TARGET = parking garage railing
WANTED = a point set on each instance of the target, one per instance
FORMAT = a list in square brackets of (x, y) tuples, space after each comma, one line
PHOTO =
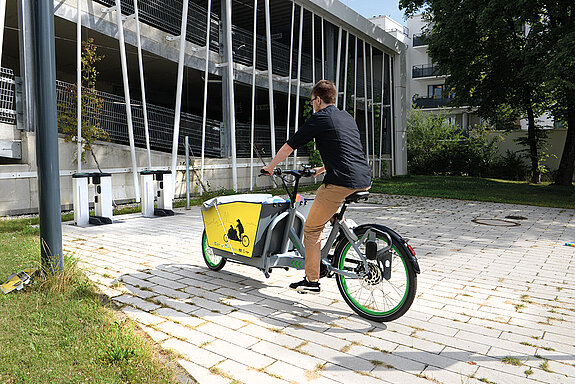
[(111, 117), (7, 103)]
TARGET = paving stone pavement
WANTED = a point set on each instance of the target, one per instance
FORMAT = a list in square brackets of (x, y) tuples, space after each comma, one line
[(495, 303)]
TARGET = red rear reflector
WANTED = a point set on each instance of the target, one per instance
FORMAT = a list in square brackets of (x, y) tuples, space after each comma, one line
[(411, 249)]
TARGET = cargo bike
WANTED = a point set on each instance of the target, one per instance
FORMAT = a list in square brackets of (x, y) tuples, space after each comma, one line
[(374, 267)]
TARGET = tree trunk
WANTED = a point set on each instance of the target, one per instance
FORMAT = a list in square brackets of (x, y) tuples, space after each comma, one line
[(532, 139), (567, 164)]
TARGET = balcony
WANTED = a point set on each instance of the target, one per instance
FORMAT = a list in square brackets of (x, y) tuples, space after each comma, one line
[(419, 41), (432, 102), (427, 70)]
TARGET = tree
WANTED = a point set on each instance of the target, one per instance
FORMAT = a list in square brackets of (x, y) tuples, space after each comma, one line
[(92, 105), (496, 57)]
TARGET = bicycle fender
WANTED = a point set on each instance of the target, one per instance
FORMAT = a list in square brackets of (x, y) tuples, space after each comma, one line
[(395, 236)]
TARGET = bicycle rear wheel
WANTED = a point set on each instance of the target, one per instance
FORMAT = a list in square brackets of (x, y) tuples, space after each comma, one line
[(213, 261), (374, 297)]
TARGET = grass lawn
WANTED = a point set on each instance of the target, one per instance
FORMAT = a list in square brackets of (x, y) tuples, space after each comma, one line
[(57, 330), (478, 189)]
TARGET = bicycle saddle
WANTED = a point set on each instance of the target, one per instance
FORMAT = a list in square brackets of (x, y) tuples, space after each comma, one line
[(356, 197)]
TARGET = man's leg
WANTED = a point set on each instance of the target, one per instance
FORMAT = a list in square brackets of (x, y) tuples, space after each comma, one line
[(326, 204)]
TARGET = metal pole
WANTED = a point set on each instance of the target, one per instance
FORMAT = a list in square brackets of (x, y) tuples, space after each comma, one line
[(26, 39), (322, 51), (338, 67), (298, 83), (366, 113), (187, 144), (142, 84), (290, 71), (179, 85), (206, 77), (392, 113), (42, 13), (345, 71), (355, 82), (253, 97), (372, 106), (2, 21), (127, 98), (381, 110), (270, 76), (231, 104), (313, 48), (78, 83)]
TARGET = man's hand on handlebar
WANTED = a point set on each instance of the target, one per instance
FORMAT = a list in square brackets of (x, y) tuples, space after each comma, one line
[(267, 171), (318, 171)]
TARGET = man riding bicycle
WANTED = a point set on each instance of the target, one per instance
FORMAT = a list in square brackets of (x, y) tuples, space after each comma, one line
[(346, 167)]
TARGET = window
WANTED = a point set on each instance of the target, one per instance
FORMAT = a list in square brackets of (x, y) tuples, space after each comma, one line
[(435, 91)]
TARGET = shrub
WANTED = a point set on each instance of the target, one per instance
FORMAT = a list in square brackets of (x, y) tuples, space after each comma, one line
[(436, 147)]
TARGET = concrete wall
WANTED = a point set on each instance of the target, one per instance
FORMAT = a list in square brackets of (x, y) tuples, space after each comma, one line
[(19, 186), (556, 142)]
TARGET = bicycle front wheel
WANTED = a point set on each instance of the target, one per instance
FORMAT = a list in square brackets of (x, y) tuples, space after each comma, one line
[(213, 261), (384, 293)]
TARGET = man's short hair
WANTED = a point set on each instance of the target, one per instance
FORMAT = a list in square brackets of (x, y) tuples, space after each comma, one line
[(326, 91)]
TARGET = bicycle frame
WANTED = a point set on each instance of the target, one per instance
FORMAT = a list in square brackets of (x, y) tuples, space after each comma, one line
[(296, 258)]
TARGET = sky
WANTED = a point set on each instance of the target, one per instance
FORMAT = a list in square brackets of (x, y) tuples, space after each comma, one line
[(370, 8)]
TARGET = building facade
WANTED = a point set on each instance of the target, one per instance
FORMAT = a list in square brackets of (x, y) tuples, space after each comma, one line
[(236, 87)]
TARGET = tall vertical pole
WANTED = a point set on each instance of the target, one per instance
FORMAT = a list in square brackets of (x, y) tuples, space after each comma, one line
[(392, 113), (252, 130), (231, 102), (298, 82), (270, 76), (26, 39), (47, 136), (179, 86), (338, 67), (142, 84), (127, 98), (322, 51), (187, 144), (372, 105), (2, 21), (381, 111), (290, 71), (313, 47), (206, 77), (355, 82), (365, 102), (78, 83), (345, 71)]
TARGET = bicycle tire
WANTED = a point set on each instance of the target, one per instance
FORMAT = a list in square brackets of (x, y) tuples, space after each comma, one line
[(373, 297), (213, 261)]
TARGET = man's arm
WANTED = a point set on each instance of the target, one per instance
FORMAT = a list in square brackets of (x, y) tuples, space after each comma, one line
[(282, 154)]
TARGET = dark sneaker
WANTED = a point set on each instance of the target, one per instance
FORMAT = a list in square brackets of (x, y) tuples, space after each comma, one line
[(306, 286)]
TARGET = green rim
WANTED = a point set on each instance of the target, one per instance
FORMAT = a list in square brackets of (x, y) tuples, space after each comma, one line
[(207, 255), (367, 310)]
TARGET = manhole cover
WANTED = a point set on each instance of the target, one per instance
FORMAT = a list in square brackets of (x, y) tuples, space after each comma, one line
[(496, 222)]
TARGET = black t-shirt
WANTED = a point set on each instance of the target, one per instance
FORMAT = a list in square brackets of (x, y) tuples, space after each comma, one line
[(338, 141)]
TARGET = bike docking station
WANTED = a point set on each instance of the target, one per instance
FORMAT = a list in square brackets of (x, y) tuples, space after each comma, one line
[(157, 183), (102, 198)]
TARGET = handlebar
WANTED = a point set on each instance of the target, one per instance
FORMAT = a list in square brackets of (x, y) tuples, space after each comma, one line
[(298, 173)]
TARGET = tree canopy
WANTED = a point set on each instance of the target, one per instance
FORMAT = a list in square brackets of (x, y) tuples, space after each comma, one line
[(510, 59)]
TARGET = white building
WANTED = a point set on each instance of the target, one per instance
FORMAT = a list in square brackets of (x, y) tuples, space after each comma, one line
[(424, 87)]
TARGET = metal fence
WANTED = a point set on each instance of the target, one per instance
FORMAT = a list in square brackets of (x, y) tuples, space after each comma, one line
[(7, 104), (111, 117), (262, 140), (166, 15)]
